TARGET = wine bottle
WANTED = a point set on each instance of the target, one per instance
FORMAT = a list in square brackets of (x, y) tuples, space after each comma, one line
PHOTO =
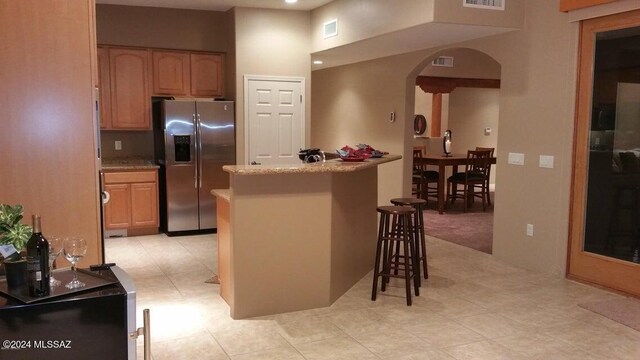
[(38, 261)]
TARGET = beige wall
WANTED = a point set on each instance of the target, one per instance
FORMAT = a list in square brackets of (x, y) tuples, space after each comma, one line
[(537, 101), (354, 19), (351, 105), (448, 11), (230, 58), (536, 117), (134, 143), (467, 63), (162, 28), (274, 43)]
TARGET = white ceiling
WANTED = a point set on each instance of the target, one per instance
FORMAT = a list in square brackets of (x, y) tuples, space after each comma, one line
[(219, 5)]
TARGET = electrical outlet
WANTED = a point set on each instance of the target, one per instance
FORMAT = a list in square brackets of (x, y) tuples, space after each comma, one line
[(529, 229), (118, 145)]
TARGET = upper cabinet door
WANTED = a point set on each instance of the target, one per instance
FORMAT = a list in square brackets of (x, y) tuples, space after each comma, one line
[(171, 73), (207, 77), (104, 88), (130, 100)]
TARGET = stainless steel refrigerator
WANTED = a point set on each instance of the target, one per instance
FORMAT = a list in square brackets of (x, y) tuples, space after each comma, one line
[(199, 138)]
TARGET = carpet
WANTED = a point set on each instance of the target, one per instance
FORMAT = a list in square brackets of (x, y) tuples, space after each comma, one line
[(624, 311), (473, 229)]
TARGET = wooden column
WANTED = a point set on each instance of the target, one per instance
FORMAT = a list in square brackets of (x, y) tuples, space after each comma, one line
[(436, 114)]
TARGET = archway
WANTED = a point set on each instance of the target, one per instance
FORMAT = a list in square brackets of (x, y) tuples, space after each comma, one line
[(457, 89)]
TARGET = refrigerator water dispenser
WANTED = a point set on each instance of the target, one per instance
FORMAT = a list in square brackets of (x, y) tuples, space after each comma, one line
[(182, 145)]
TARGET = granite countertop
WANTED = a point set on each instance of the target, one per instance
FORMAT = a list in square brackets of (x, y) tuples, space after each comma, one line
[(329, 166), (222, 193), (128, 163)]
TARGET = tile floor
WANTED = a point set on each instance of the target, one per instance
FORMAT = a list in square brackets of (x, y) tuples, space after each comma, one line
[(472, 307)]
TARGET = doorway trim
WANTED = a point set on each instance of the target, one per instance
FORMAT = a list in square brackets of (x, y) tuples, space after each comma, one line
[(295, 79), (585, 266)]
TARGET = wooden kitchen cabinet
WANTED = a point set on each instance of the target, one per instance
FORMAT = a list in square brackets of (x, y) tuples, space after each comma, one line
[(128, 77), (104, 88), (117, 212), (129, 81), (207, 74), (133, 199), (171, 73), (188, 74), (144, 204)]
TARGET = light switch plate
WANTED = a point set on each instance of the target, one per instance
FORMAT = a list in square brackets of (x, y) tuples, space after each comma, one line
[(516, 158), (118, 145), (546, 161)]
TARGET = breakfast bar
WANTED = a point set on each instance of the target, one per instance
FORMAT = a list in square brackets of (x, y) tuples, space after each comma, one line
[(295, 237)]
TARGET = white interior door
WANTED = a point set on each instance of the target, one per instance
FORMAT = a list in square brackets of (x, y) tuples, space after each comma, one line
[(274, 109)]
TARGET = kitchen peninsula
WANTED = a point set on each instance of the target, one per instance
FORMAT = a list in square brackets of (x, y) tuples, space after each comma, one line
[(294, 237)]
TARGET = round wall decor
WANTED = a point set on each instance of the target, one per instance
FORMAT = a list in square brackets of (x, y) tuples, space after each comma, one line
[(419, 124)]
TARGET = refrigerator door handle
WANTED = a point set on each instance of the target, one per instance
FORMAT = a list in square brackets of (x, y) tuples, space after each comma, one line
[(199, 150), (196, 175)]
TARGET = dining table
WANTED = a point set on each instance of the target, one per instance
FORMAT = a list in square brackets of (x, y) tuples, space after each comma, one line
[(442, 161)]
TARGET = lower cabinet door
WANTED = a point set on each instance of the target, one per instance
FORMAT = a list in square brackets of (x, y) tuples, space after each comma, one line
[(117, 212), (144, 205)]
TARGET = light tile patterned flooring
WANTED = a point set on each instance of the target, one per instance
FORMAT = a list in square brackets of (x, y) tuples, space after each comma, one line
[(472, 307)]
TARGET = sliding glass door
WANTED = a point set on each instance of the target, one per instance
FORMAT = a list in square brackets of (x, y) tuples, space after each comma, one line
[(605, 228)]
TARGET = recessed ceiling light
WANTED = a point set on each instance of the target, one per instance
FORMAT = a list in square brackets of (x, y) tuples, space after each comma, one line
[(291, 1), (317, 62)]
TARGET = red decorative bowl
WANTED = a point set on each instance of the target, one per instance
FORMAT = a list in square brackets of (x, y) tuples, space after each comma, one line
[(352, 159)]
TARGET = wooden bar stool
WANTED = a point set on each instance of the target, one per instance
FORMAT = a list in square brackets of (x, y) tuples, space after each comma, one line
[(388, 238), (418, 229)]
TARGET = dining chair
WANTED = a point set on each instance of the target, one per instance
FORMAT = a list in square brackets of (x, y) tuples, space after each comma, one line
[(487, 181), (423, 178), (472, 179)]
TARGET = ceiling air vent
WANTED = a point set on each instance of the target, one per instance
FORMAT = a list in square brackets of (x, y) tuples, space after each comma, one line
[(485, 4), (444, 61), (330, 28)]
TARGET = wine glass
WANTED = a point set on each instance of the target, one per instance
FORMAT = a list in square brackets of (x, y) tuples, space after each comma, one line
[(55, 248), (74, 250)]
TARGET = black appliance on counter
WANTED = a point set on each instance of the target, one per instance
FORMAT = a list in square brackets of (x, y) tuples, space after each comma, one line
[(311, 155), (97, 324)]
